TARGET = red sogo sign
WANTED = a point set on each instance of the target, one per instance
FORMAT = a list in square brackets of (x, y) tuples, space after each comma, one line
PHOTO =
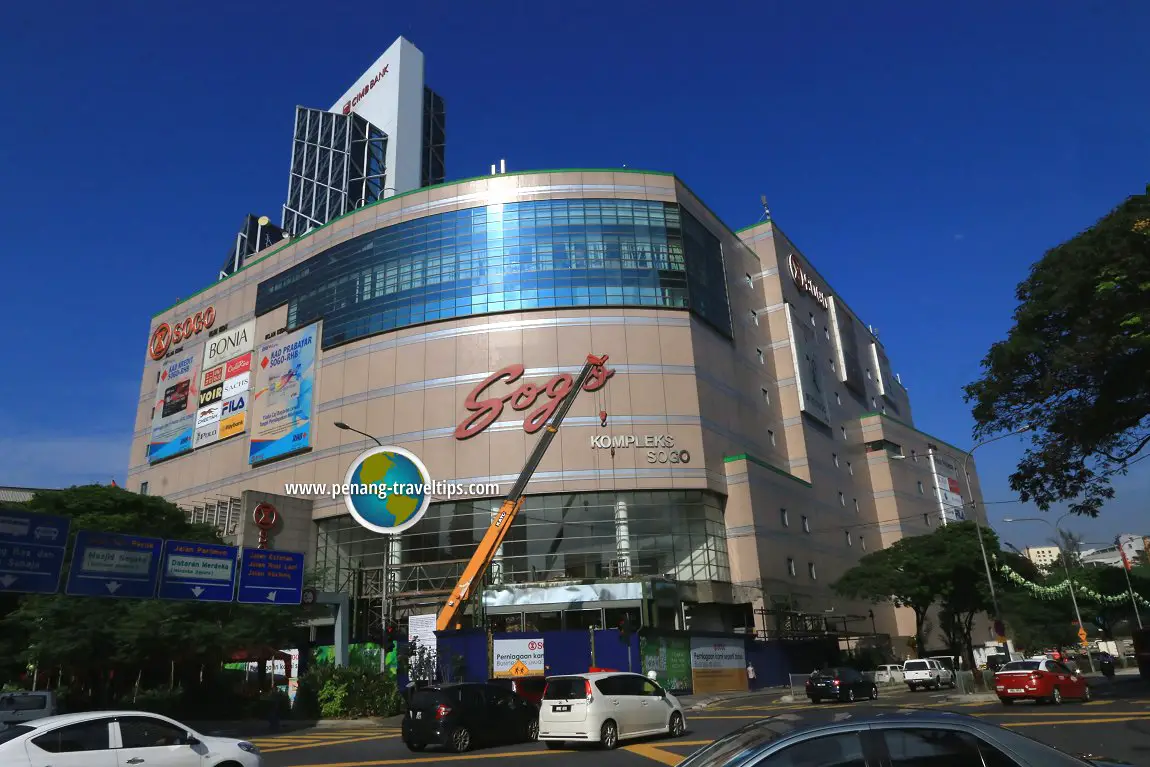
[(485, 412), (166, 335)]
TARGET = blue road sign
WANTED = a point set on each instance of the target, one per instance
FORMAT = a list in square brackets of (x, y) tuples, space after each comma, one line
[(31, 551), (198, 572), (271, 577), (114, 565)]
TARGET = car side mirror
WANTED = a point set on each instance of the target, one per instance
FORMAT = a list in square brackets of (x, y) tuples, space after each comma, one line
[(191, 740)]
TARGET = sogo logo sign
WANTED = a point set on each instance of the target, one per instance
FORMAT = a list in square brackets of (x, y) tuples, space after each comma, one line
[(165, 335)]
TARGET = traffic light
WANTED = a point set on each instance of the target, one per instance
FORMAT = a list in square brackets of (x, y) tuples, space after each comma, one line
[(625, 629), (390, 638)]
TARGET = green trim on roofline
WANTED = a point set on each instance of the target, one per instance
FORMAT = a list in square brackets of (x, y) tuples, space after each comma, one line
[(405, 194), (752, 226), (760, 462), (915, 430)]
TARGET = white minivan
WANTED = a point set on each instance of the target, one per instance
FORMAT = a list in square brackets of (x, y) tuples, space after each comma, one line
[(605, 708)]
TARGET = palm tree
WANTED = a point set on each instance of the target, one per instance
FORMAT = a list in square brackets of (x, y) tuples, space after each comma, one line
[(1070, 544)]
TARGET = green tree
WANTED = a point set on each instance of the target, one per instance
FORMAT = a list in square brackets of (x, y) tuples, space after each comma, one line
[(1034, 622), (1073, 366), (107, 646)]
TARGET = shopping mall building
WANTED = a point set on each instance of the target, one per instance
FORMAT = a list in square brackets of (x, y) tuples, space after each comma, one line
[(756, 440)]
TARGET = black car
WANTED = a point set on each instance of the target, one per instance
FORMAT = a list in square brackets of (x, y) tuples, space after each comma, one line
[(840, 683), (889, 737), (460, 716)]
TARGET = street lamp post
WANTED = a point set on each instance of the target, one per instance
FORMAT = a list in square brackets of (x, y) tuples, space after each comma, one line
[(1065, 566), (384, 603)]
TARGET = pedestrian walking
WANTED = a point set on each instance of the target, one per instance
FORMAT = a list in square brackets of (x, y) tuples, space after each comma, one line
[(750, 676)]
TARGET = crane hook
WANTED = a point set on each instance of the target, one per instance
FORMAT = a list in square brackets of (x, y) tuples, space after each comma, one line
[(602, 417)]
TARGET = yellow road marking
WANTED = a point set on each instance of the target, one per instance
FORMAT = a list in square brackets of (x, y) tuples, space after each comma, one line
[(1098, 703), (430, 759), (1069, 713), (1096, 720), (318, 743), (654, 753)]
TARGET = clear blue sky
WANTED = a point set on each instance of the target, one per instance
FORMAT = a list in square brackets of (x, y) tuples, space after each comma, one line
[(921, 158)]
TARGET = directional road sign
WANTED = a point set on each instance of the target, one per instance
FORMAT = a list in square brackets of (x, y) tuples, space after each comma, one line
[(271, 577), (198, 572), (114, 565), (31, 551)]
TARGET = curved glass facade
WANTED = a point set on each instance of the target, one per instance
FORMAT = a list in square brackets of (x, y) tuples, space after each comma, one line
[(565, 536), (507, 257)]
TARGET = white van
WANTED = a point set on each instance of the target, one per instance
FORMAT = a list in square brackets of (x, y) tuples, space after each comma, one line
[(888, 673), (927, 673), (25, 705), (605, 708)]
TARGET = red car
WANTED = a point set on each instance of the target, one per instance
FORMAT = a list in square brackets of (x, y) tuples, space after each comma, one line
[(1039, 680), (530, 688)]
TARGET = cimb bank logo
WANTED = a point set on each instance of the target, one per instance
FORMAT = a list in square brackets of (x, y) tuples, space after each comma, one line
[(367, 87)]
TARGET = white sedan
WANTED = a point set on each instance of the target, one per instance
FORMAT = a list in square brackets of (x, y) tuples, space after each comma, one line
[(119, 739)]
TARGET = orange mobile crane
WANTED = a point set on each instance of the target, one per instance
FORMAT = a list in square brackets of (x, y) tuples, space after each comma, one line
[(481, 559)]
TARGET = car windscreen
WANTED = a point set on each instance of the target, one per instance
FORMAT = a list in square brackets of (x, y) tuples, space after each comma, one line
[(916, 665), (431, 697), (1022, 665), (9, 733), (735, 748), (18, 701), (565, 688), (530, 684)]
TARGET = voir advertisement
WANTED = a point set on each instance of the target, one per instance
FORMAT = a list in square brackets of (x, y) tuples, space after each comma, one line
[(669, 658), (513, 658), (281, 400), (224, 396), (174, 413), (810, 373), (718, 665)]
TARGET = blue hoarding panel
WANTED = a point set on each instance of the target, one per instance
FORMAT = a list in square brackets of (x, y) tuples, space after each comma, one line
[(271, 577), (198, 572), (114, 565), (31, 551)]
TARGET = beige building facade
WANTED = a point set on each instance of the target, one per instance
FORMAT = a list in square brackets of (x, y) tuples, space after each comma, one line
[(756, 440)]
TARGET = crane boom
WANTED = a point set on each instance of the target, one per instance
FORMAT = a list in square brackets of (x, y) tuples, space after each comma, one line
[(493, 539)]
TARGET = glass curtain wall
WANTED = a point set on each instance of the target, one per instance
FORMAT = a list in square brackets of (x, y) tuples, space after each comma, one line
[(506, 257)]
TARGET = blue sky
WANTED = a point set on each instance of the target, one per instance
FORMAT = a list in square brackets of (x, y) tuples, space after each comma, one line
[(921, 158)]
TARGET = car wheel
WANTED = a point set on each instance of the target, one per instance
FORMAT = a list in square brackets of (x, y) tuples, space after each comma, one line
[(675, 729), (851, 695), (609, 735), (554, 744), (953, 683), (912, 688), (460, 740), (414, 746), (1007, 701), (874, 692), (1056, 696), (816, 700), (1086, 694), (533, 730)]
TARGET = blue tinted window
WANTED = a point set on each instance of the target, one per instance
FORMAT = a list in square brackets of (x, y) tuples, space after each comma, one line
[(507, 257)]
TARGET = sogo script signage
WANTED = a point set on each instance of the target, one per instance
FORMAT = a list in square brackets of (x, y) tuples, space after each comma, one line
[(486, 403), (806, 284), (164, 336), (664, 444)]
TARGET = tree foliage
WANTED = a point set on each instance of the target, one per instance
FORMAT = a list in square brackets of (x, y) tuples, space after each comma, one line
[(1073, 366), (103, 645), (942, 568)]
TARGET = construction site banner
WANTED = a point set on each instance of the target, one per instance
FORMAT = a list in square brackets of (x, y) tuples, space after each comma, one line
[(718, 665), (514, 658)]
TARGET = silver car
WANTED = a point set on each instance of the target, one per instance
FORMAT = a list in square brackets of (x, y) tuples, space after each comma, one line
[(903, 736)]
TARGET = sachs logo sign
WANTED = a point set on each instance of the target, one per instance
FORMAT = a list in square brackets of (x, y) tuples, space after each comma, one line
[(166, 335)]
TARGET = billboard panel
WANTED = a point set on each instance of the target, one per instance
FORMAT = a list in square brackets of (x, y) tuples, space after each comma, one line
[(718, 665), (174, 413), (229, 344), (223, 407), (281, 401), (948, 487), (847, 348), (808, 355)]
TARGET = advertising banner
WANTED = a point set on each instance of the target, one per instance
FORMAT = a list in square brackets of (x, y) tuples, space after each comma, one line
[(512, 658), (423, 646), (948, 487), (228, 344), (718, 665), (223, 407), (809, 359), (669, 658), (281, 401), (847, 346), (174, 415)]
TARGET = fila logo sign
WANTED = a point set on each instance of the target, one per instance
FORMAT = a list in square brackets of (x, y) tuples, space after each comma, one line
[(233, 406), (230, 344)]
